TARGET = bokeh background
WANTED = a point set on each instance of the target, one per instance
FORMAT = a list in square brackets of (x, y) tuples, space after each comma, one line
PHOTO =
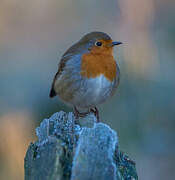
[(34, 35)]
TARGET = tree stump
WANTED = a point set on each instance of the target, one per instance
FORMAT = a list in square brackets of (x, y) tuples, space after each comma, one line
[(76, 150)]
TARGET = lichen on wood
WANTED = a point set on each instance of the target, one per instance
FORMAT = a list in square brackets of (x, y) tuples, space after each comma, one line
[(76, 150)]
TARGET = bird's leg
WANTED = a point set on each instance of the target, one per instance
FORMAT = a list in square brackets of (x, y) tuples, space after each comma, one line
[(96, 113), (79, 114), (76, 112)]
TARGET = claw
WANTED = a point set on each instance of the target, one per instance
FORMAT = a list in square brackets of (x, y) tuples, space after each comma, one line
[(83, 114), (79, 114)]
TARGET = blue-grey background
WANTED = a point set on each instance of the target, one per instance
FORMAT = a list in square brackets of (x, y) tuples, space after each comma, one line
[(34, 35)]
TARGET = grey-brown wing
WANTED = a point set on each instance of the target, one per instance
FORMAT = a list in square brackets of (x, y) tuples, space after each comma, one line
[(60, 69), (66, 56)]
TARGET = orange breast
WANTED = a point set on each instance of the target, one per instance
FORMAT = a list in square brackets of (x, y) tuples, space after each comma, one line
[(95, 64)]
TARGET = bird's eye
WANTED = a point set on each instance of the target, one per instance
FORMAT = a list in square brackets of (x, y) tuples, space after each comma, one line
[(98, 43)]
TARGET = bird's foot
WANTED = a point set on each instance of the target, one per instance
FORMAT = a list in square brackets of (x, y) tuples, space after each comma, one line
[(83, 114), (79, 114)]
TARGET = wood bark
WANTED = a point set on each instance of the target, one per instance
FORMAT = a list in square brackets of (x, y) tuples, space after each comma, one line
[(76, 150)]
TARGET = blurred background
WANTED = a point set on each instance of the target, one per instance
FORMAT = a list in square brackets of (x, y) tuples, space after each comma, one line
[(33, 37)]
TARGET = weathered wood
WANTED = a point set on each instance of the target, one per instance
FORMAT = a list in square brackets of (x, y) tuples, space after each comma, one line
[(83, 150)]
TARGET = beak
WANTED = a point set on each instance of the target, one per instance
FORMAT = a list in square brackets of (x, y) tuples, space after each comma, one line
[(115, 43)]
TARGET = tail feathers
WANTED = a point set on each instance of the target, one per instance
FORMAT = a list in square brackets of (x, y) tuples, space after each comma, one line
[(52, 93)]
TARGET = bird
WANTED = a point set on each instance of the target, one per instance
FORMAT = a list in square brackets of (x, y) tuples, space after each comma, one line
[(87, 74)]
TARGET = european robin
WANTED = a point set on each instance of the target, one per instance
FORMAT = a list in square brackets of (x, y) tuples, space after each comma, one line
[(87, 74)]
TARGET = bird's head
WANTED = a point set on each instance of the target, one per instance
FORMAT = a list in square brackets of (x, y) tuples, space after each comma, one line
[(98, 42)]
